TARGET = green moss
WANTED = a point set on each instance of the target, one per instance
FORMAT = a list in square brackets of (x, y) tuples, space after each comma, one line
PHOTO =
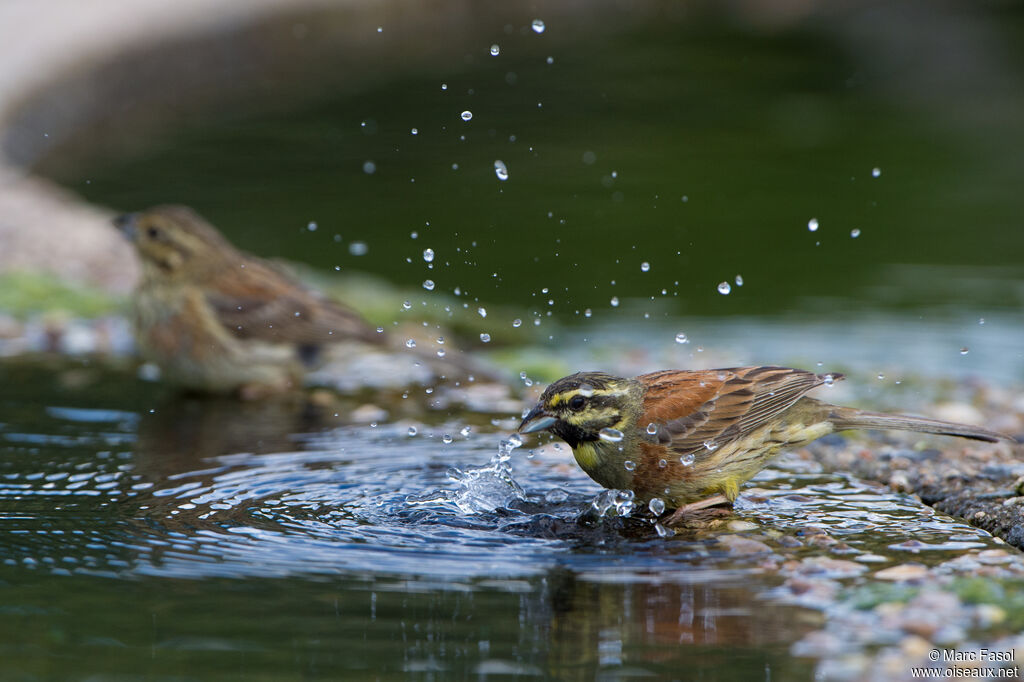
[(872, 594), (27, 293), (1007, 595)]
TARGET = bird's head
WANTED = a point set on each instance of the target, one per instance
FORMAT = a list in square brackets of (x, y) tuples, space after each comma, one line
[(175, 242), (576, 408)]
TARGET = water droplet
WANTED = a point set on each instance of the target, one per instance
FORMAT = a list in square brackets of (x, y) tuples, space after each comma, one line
[(410, 343), (485, 337), (964, 351), (358, 248), (652, 428), (446, 438), (610, 435), (739, 280), (588, 312), (415, 131), (380, 330), (881, 376), (681, 338), (441, 352), (662, 531), (482, 311), (662, 463), (464, 431), (687, 460), (812, 224), (428, 285), (981, 320), (724, 288), (428, 255), (710, 445), (501, 170), (615, 301), (645, 267), (586, 390), (875, 172), (629, 465), (412, 431), (828, 379), (657, 506), (369, 167), (854, 233), (538, 26), (406, 305), (311, 227), (517, 323), (495, 50), (467, 115)]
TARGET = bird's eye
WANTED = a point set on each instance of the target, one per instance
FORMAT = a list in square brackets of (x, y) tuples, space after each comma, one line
[(152, 233), (577, 402)]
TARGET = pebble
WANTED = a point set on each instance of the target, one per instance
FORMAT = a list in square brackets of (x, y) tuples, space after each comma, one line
[(831, 568), (903, 572), (740, 545), (364, 414), (740, 526)]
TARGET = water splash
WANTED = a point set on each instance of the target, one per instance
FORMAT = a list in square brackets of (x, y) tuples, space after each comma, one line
[(487, 488)]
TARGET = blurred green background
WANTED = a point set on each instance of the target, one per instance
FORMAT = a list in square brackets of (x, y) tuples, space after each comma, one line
[(699, 142)]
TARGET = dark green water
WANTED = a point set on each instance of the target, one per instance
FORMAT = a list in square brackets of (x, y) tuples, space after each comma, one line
[(148, 536), (700, 148)]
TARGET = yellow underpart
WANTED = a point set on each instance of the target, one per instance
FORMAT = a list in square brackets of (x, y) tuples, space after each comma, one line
[(734, 464), (586, 456)]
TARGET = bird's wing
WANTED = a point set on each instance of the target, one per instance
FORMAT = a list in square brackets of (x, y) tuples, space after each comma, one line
[(259, 302), (701, 409)]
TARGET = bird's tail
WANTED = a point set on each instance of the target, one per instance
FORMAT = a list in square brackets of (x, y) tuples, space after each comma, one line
[(850, 418)]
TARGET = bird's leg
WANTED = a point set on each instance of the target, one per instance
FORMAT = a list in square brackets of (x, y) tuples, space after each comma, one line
[(688, 509)]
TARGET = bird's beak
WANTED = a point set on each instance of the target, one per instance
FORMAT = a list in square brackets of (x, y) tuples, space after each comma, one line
[(537, 420), (126, 224)]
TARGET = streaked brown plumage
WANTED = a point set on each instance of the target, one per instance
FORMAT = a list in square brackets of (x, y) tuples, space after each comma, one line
[(218, 319), (686, 435)]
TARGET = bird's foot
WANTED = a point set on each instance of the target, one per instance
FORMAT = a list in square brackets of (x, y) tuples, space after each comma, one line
[(689, 509)]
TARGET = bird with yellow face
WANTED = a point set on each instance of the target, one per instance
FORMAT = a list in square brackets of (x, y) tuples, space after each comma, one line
[(217, 319), (691, 438)]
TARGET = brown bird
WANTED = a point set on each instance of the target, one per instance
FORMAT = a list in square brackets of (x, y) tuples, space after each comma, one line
[(691, 438), (217, 319)]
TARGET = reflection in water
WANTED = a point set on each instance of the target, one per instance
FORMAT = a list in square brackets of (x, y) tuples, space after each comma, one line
[(257, 511)]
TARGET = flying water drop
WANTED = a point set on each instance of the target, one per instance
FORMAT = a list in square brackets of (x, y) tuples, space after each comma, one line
[(610, 435), (724, 288)]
